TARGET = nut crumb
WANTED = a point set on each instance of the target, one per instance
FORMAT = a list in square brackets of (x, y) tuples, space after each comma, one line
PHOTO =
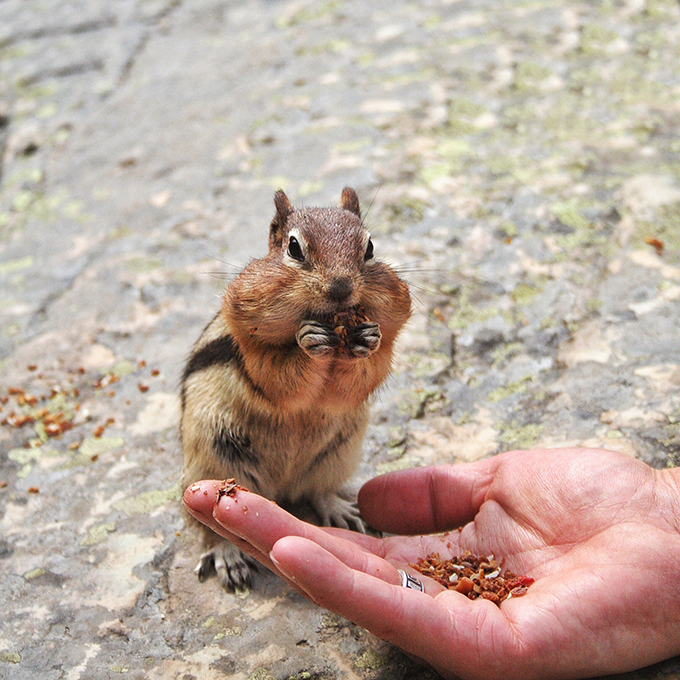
[(229, 488)]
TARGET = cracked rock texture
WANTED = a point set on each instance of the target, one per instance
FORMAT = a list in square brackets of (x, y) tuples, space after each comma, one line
[(518, 161)]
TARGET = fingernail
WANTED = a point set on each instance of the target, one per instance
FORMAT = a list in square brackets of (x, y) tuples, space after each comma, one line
[(281, 568), (189, 496)]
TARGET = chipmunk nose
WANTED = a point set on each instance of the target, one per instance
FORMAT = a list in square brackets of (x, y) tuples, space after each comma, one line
[(340, 289)]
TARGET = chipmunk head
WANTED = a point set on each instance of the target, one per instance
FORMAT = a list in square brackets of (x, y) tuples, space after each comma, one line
[(329, 247), (320, 263)]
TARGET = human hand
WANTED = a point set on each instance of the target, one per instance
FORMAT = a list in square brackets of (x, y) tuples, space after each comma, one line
[(599, 531)]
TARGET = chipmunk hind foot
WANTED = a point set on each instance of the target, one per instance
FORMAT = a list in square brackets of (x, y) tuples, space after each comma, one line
[(335, 511), (232, 566)]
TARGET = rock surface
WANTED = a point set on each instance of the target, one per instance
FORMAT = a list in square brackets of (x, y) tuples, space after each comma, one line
[(519, 162)]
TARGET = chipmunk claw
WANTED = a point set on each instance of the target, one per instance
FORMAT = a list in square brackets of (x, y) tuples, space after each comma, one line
[(316, 339), (365, 339)]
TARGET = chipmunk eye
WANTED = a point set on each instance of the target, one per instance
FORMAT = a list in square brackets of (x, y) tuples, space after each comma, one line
[(369, 250), (294, 249)]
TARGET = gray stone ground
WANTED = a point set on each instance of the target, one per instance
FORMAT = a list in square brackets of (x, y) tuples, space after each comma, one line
[(516, 160)]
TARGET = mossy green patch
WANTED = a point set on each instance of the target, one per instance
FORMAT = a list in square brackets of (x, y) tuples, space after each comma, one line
[(569, 215), (10, 657), (150, 500), (142, 265), (528, 75), (309, 188), (366, 59), (327, 47), (370, 660), (122, 368), (16, 265), (516, 387), (98, 533), (468, 309), (507, 229), (594, 38), (313, 12), (27, 458), (440, 170), (516, 436), (406, 212), (261, 674), (660, 9), (95, 446), (525, 293), (402, 463), (353, 145), (207, 623), (34, 574), (462, 114), (593, 304)]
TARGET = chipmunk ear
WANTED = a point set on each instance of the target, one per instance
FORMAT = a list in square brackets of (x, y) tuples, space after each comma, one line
[(283, 211), (350, 201)]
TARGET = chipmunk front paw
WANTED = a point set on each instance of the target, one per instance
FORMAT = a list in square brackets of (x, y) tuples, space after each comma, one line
[(316, 338), (364, 339), (233, 567)]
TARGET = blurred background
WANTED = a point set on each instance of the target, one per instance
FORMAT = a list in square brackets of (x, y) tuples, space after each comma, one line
[(518, 162)]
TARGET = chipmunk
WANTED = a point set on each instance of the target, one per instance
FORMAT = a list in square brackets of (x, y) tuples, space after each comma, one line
[(275, 390)]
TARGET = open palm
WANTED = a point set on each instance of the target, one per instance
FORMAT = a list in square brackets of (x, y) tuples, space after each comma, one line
[(599, 531)]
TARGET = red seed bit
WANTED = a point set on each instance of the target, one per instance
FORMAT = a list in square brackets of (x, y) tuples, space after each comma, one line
[(519, 581), (142, 387), (656, 244)]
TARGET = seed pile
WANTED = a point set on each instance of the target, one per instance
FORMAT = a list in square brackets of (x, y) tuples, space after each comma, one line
[(26, 410), (51, 407), (474, 576)]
